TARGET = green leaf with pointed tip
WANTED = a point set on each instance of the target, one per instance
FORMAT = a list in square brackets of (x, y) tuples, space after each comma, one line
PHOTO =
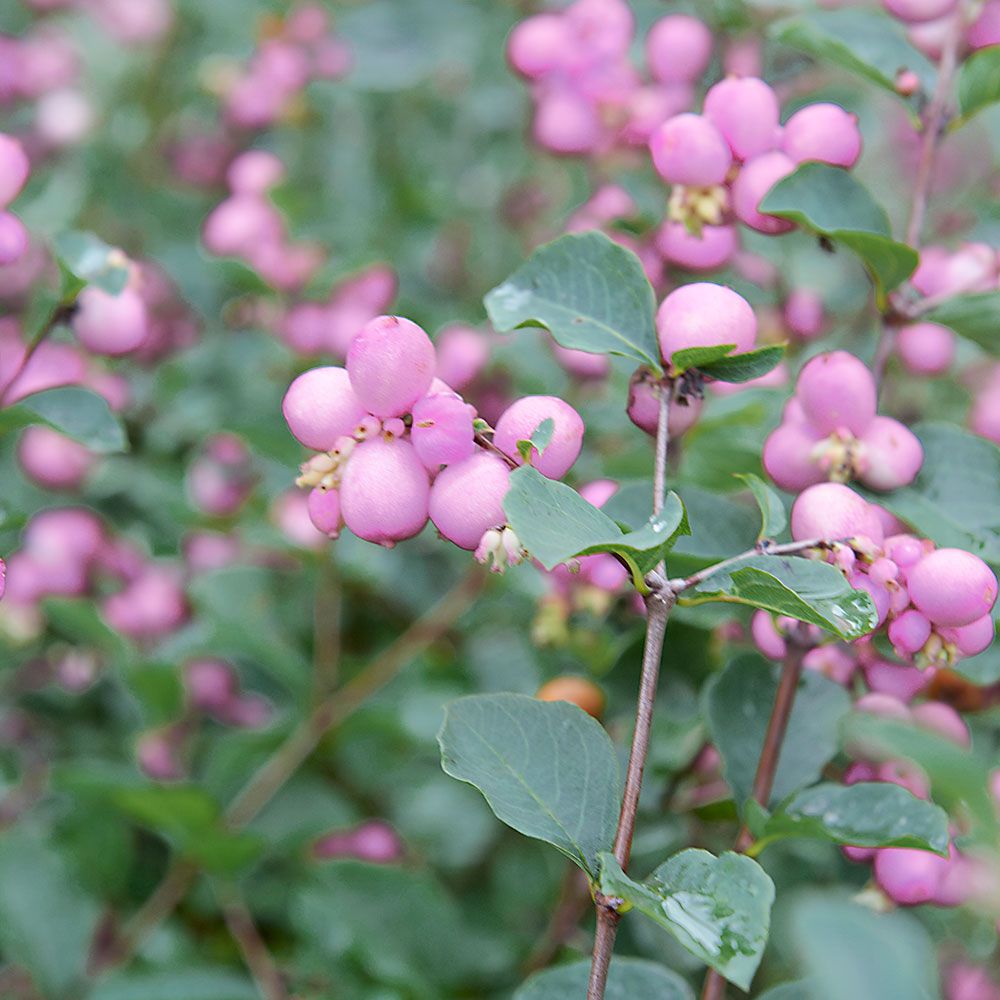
[(589, 292), (628, 979), (697, 357), (555, 524), (546, 768), (90, 261), (975, 317), (867, 814), (830, 202), (865, 42), (806, 589), (746, 366), (773, 517), (719, 908), (978, 82), (540, 439), (78, 413), (953, 500), (738, 705)]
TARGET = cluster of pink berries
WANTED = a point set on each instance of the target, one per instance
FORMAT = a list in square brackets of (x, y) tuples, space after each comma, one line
[(14, 170), (830, 431), (131, 21), (294, 51), (249, 227)]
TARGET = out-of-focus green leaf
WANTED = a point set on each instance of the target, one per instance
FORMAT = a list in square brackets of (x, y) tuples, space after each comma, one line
[(979, 81), (628, 979), (975, 316), (773, 518), (78, 413), (90, 260)]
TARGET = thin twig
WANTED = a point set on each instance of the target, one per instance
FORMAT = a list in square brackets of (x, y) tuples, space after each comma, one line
[(241, 926)]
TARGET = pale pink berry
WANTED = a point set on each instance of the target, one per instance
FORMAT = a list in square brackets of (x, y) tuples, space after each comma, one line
[(581, 364), (255, 172), (208, 550), (909, 632), (603, 28), (566, 123), (320, 406), (837, 390), (241, 225), (14, 239), (918, 11), (909, 876), (521, 419), (803, 313), (442, 431), (901, 682), (892, 455), (766, 637), (756, 178), (904, 550), (985, 30), (221, 478), (952, 587), (110, 324), (249, 711), (210, 684), (703, 314), (984, 417), (467, 499), (52, 460), (644, 409), (538, 45), (970, 982), (150, 606), (156, 755), (374, 841), (14, 168), (689, 149), (885, 706), (942, 719), (678, 49), (832, 662), (391, 365), (970, 268), (834, 512), (823, 132), (324, 511), (708, 250), (745, 111), (462, 353), (926, 348), (290, 512), (788, 457), (973, 638), (384, 491)]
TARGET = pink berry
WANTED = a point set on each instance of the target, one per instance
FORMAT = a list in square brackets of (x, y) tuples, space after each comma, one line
[(255, 172), (803, 313), (918, 11), (788, 457), (210, 684), (885, 706), (384, 491), (831, 661), (110, 324), (156, 754), (909, 876), (521, 419), (823, 132), (320, 406), (52, 460), (942, 719), (391, 365), (582, 364), (926, 348), (566, 123), (14, 239), (837, 390), (14, 168), (745, 111), (985, 30), (241, 225), (462, 353), (766, 637), (892, 455), (708, 250), (644, 409), (689, 149), (467, 499), (290, 512), (538, 45), (901, 682), (984, 417), (834, 512), (150, 606), (756, 178), (973, 638), (909, 632), (324, 511), (442, 431), (952, 587), (703, 314), (678, 49)]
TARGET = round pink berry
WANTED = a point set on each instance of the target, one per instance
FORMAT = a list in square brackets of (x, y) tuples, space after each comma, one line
[(689, 149), (462, 353), (581, 364), (788, 457), (442, 431), (952, 587), (973, 638), (521, 419), (538, 45), (110, 324), (708, 250), (384, 491), (255, 172), (678, 49), (324, 511), (52, 460), (834, 512), (14, 168), (919, 11), (803, 313), (823, 132), (211, 684), (320, 406), (745, 111), (837, 390), (14, 239), (756, 178), (909, 632), (892, 455), (985, 30), (566, 123), (391, 365), (467, 499), (909, 876), (926, 348), (942, 719), (704, 314)]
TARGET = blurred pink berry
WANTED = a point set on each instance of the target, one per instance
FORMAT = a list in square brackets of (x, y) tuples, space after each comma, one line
[(909, 876), (708, 250), (52, 460), (462, 353), (13, 239), (823, 132), (156, 753), (442, 431), (566, 123), (926, 348), (803, 313), (241, 225), (110, 324), (210, 684), (985, 29), (943, 720), (918, 11), (391, 365), (689, 149), (766, 637), (582, 364), (538, 45), (678, 49), (373, 841), (703, 314), (756, 178), (321, 406), (150, 606), (255, 172), (324, 511), (952, 587), (290, 513), (466, 499), (745, 111), (521, 419), (14, 168)]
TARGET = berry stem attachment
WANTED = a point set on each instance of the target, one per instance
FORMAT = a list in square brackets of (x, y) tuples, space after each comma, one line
[(658, 605)]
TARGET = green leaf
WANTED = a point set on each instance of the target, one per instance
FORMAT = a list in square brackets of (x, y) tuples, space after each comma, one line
[(91, 261), (851, 953), (540, 439), (773, 516), (867, 814), (864, 42), (46, 919), (590, 293), (746, 366), (176, 984), (628, 979), (953, 500), (829, 202), (975, 317), (546, 768), (78, 413), (696, 357), (555, 524), (719, 908), (978, 82), (738, 704), (800, 990), (806, 589)]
